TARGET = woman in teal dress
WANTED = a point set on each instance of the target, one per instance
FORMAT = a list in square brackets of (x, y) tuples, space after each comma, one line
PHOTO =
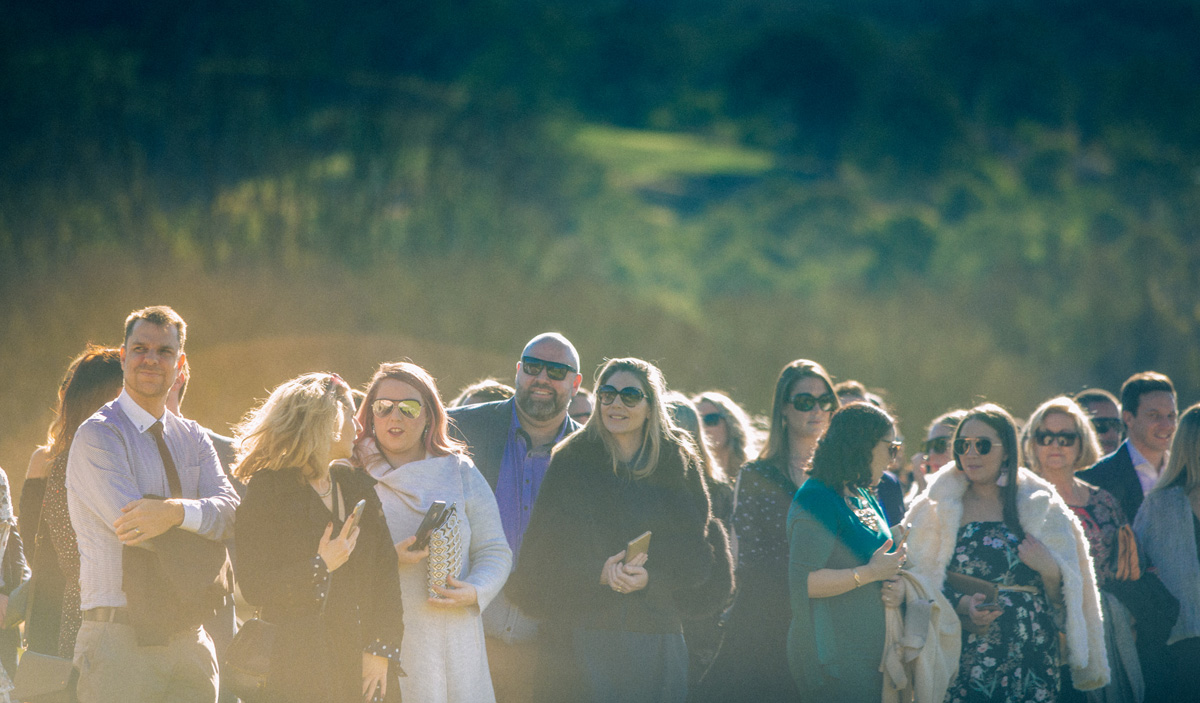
[(841, 571)]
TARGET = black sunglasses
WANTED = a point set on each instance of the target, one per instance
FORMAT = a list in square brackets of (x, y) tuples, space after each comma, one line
[(713, 419), (554, 370), (1104, 425), (630, 395), (804, 402), (962, 445), (408, 408), (937, 445), (1063, 439), (893, 448)]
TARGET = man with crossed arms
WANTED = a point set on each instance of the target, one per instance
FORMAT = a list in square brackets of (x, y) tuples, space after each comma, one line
[(118, 456)]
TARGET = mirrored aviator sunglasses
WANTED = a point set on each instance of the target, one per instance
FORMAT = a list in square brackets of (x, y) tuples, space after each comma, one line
[(805, 402), (408, 408), (555, 371), (962, 445), (630, 395)]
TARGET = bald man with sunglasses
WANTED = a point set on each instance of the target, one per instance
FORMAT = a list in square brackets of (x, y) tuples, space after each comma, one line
[(510, 442)]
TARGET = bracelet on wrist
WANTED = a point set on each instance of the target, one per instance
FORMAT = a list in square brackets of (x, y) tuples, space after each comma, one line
[(857, 581)]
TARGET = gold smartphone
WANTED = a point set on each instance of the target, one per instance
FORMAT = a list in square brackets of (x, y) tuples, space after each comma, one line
[(638, 545)]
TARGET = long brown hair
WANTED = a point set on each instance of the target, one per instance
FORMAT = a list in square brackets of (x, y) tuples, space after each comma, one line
[(659, 428), (776, 449), (1005, 426), (93, 379), (437, 435)]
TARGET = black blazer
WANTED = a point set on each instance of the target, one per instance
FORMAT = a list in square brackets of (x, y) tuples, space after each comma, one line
[(484, 428), (317, 655), (1115, 474)]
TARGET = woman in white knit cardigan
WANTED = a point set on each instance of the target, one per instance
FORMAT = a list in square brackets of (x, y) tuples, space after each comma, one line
[(404, 446), (985, 493)]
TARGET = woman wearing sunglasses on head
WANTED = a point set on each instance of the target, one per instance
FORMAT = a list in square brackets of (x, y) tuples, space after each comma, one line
[(843, 567), (985, 517), (1059, 440), (629, 471), (328, 585), (753, 662), (404, 445)]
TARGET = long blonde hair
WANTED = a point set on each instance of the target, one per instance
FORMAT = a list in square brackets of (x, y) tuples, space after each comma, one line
[(658, 427), (295, 427), (1183, 468)]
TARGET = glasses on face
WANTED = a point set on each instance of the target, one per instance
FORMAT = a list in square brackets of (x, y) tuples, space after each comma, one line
[(408, 408), (937, 445), (805, 402), (1062, 439), (554, 370), (1104, 425), (712, 419), (630, 395), (893, 448), (962, 445)]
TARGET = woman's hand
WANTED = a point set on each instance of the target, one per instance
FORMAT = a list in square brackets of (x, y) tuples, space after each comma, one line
[(336, 550), (977, 621), (611, 565), (884, 564), (374, 674), (407, 557), (893, 592), (1035, 555), (459, 594), (631, 576)]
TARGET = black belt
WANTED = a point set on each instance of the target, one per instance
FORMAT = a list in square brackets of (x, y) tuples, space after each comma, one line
[(107, 614)]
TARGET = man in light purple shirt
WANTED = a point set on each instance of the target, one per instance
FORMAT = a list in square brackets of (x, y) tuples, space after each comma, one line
[(113, 463)]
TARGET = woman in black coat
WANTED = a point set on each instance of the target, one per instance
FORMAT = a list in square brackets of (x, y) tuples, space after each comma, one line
[(331, 588), (627, 472)]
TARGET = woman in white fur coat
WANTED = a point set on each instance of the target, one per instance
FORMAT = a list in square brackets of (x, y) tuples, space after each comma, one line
[(982, 516), (405, 447)]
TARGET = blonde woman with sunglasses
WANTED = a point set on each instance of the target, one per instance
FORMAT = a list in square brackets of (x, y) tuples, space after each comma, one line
[(328, 585), (404, 445), (986, 517), (628, 472)]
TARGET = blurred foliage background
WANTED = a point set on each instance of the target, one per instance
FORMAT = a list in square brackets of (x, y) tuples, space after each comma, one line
[(946, 200)]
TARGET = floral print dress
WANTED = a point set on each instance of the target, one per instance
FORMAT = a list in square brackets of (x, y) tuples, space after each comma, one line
[(1017, 659)]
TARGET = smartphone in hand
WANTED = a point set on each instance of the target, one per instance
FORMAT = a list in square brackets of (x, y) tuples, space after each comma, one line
[(356, 516), (433, 520)]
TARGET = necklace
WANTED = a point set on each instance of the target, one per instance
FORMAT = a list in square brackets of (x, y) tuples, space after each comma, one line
[(866, 515), (327, 491)]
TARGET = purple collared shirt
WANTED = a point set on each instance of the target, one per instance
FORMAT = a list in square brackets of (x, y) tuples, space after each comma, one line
[(521, 473)]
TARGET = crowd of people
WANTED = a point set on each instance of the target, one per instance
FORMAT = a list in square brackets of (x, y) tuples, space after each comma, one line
[(549, 542)]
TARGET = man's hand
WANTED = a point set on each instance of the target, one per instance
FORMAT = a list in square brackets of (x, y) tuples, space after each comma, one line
[(147, 518)]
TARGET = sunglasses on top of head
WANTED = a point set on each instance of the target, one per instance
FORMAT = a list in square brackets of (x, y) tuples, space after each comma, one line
[(1104, 425), (962, 445), (1063, 439), (937, 445), (408, 408), (630, 395), (805, 402), (554, 370)]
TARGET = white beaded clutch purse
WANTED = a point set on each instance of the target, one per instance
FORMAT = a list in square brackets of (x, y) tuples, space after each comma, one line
[(445, 551)]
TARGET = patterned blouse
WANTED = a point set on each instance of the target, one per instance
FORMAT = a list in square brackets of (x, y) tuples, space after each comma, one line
[(1102, 518)]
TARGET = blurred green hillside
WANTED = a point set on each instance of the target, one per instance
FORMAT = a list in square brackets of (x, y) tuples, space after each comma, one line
[(946, 200)]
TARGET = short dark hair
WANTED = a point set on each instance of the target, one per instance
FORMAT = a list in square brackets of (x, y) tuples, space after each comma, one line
[(843, 455), (160, 315), (1140, 384), (1096, 395)]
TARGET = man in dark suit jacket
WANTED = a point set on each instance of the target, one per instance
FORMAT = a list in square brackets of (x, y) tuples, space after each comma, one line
[(510, 442), (1149, 413)]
